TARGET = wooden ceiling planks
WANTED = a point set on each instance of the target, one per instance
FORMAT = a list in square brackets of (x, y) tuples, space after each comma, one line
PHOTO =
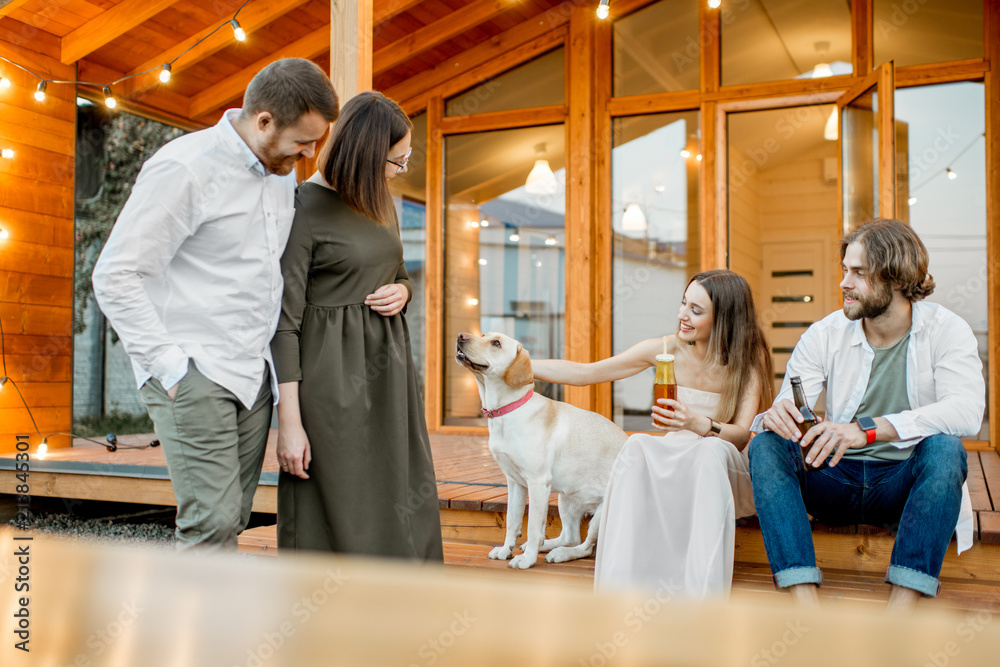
[(413, 44), (253, 18), (108, 26)]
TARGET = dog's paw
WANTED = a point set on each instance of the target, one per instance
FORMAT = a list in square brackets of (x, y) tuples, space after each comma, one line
[(563, 554), (522, 562), (500, 553), (549, 545)]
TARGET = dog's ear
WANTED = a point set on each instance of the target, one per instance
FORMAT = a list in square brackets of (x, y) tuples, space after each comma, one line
[(519, 372)]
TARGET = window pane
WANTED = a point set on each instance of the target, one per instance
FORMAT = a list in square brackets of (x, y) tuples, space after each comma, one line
[(655, 236), (656, 49), (943, 128), (771, 40), (409, 193), (927, 31), (537, 83), (783, 218), (505, 210), (860, 160)]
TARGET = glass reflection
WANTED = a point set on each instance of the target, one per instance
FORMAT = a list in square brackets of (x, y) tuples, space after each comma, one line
[(409, 192), (771, 40), (655, 174), (504, 250)]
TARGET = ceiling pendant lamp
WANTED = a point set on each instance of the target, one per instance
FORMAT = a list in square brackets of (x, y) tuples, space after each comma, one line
[(541, 180), (634, 220)]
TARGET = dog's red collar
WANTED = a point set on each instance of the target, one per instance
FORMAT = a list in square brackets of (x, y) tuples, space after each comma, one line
[(510, 407)]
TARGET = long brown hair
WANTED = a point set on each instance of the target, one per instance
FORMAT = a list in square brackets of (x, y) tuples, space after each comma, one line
[(894, 255), (353, 159), (736, 342)]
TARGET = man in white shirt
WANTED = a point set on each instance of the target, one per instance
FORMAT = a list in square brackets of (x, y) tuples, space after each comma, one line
[(190, 279), (903, 383)]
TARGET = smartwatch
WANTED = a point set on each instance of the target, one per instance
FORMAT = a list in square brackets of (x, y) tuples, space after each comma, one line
[(867, 424)]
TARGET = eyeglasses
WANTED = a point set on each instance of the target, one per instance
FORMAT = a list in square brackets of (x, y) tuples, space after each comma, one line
[(406, 161)]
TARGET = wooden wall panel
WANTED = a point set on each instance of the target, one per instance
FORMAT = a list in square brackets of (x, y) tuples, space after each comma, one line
[(36, 261)]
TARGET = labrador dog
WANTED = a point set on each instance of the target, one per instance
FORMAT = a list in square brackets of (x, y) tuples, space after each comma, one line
[(542, 446)]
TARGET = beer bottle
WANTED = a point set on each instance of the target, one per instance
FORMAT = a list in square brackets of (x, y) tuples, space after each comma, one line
[(809, 418), (664, 386)]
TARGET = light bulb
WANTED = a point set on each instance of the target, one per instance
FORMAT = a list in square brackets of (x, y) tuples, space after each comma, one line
[(3, 235), (3, 381), (714, 4), (698, 157), (7, 153), (911, 201), (952, 175), (474, 224), (472, 301), (165, 73), (550, 240), (238, 32), (685, 153), (4, 82), (603, 10), (40, 91), (43, 449), (484, 223), (514, 238), (482, 262), (109, 98)]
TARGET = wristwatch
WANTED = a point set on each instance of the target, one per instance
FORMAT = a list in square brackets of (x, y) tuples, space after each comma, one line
[(867, 424)]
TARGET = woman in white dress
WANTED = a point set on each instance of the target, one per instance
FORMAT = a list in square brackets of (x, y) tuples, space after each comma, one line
[(673, 500)]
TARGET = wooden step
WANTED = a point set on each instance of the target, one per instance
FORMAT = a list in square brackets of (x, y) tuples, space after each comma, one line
[(750, 581)]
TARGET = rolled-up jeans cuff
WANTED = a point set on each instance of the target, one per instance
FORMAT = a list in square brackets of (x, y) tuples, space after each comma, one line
[(798, 575), (918, 581)]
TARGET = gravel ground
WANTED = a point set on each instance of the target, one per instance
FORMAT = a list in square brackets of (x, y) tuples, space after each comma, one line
[(151, 528)]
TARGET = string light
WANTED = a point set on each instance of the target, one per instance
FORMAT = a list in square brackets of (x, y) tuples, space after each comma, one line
[(949, 172), (165, 69), (685, 153), (109, 98), (7, 153), (603, 9), (714, 4), (238, 32), (3, 236)]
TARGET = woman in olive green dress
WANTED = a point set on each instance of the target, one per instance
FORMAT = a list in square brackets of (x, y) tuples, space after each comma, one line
[(357, 475)]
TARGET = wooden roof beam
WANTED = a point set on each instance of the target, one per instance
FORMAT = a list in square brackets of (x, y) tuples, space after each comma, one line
[(253, 17), (108, 26), (11, 5), (314, 44), (388, 9), (438, 32), (527, 39)]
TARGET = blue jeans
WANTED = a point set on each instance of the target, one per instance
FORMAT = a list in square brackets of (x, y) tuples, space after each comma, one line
[(919, 498)]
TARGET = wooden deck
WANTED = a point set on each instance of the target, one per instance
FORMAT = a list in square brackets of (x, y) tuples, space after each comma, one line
[(472, 498), (750, 581)]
